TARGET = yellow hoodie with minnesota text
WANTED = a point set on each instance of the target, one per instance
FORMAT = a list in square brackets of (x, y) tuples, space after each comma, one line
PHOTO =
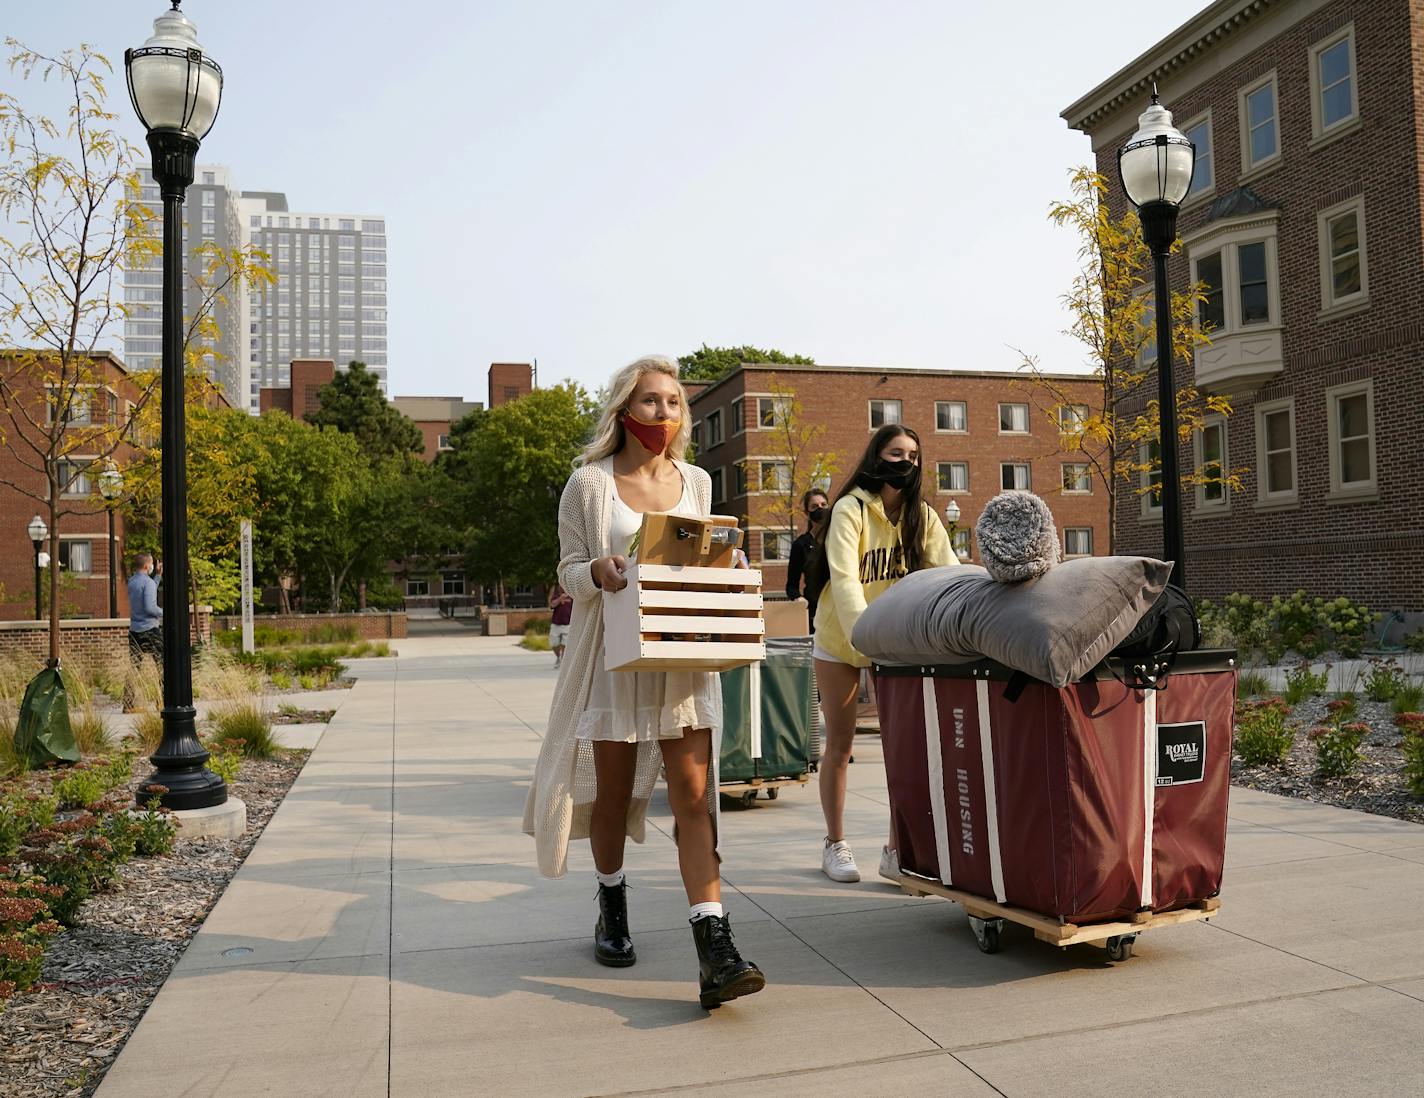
[(864, 557)]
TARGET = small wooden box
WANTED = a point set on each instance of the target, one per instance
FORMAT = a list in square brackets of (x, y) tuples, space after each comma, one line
[(692, 612)]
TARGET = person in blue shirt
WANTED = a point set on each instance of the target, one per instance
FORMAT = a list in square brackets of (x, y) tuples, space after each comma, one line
[(145, 619)]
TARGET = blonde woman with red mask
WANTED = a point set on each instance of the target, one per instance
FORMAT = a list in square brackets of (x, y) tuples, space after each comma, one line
[(608, 731)]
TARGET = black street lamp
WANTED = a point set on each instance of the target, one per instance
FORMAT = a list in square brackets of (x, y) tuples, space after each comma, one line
[(1156, 168), (176, 89), (111, 487), (38, 531)]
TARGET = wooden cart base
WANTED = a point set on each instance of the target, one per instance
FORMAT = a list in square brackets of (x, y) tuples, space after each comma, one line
[(986, 919), (746, 791)]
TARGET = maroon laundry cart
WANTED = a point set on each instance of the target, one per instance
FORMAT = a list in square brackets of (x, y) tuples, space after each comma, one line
[(1088, 812)]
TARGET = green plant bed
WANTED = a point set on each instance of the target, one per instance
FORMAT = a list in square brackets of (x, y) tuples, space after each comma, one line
[(535, 642)]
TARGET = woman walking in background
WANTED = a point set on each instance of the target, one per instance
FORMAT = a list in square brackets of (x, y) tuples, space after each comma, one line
[(879, 530), (608, 731)]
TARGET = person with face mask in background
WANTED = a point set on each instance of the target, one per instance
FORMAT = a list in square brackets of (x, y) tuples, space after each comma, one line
[(608, 731), (879, 530), (817, 507)]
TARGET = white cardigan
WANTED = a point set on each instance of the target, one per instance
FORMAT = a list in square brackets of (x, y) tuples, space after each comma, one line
[(560, 801)]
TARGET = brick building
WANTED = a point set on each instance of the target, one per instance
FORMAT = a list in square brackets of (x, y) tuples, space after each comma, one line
[(300, 397), (435, 416), (84, 538), (509, 381), (979, 432), (1304, 220)]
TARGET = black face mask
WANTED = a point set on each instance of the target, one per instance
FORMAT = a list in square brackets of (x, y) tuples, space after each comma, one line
[(897, 474), (818, 514)]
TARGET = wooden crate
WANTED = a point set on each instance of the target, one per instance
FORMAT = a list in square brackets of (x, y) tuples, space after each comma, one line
[(685, 607)]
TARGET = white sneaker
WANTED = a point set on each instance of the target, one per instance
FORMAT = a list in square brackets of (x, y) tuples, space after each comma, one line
[(838, 863), (889, 864)]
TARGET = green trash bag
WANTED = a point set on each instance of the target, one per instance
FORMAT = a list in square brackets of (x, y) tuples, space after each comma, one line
[(42, 734)]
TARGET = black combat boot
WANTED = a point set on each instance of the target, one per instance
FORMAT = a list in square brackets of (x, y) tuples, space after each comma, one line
[(723, 974), (611, 944)]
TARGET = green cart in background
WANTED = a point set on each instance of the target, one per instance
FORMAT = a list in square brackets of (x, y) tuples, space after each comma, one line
[(770, 722)]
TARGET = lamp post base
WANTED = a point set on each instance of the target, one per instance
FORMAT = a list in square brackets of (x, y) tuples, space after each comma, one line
[(180, 766)]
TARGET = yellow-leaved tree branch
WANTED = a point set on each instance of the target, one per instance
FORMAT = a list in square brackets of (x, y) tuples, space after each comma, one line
[(1110, 301)]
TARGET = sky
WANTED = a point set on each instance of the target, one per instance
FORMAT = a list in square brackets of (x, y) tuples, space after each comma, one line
[(582, 183)]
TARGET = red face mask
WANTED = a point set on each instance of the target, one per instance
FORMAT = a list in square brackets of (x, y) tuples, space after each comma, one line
[(653, 436)]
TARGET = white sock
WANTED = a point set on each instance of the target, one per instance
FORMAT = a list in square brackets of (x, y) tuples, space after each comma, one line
[(701, 911), (611, 880)]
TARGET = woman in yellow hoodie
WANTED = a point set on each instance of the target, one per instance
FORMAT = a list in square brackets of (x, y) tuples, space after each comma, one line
[(879, 530)]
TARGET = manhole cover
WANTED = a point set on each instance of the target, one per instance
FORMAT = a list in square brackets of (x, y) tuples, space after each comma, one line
[(239, 951)]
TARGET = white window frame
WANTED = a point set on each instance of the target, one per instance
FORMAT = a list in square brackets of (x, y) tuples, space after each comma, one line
[(1087, 473), (964, 404), (1218, 423), (939, 483), (779, 411), (1016, 465), (1320, 133), (1076, 421), (776, 533), (1149, 510), (899, 416), (1027, 417), (715, 437), (1193, 197), (82, 466), (1249, 167), (739, 416), (1330, 305), (1228, 241), (71, 540), (1355, 490), (448, 578), (761, 464), (1070, 530), (962, 542), (1264, 496)]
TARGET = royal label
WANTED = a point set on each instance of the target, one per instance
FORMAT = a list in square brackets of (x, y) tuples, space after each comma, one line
[(1181, 753)]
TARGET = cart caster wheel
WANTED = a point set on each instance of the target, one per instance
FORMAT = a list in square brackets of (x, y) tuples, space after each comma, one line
[(772, 794), (986, 933), (1120, 948), (749, 799)]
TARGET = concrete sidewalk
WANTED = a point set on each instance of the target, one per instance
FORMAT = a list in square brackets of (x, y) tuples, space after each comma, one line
[(389, 934)]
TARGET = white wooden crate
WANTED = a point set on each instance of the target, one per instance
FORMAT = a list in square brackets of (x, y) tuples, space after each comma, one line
[(684, 617)]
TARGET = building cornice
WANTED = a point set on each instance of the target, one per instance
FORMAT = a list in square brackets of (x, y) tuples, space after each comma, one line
[(887, 371), (1183, 46)]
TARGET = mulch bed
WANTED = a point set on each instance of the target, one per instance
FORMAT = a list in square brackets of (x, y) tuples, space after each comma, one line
[(1376, 786), (99, 977), (292, 715)]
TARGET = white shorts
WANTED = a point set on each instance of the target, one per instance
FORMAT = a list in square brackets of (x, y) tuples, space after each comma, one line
[(558, 636), (819, 653)]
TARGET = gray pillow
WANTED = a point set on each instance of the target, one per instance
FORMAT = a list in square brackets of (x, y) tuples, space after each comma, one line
[(1056, 627)]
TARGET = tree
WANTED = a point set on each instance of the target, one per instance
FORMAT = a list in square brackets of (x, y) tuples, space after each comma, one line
[(1113, 320), (714, 363), (353, 402), (507, 470), (793, 446), (73, 192)]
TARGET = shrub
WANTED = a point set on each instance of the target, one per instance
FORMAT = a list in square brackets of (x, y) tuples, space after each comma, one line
[(11, 761), (1414, 642), (218, 676), (80, 788), (537, 625), (225, 762), (244, 727), (92, 734), (1383, 680), (157, 829), (307, 682), (26, 926), (281, 680), (1337, 748), (1262, 735), (1252, 684), (148, 728), (1409, 722), (1349, 623), (1414, 756), (1302, 683), (1409, 697), (73, 856), (535, 642), (1341, 709)]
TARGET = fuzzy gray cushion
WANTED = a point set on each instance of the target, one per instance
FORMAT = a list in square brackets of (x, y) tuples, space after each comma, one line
[(1056, 627), (1017, 538)]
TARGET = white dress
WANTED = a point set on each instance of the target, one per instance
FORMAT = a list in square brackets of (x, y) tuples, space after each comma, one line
[(633, 706)]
